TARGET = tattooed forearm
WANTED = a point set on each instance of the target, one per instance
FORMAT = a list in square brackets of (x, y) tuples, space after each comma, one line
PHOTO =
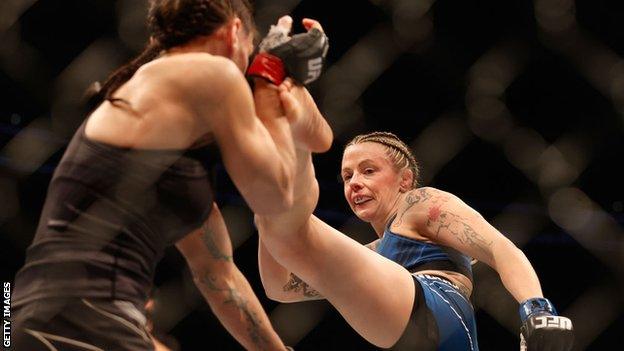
[(440, 220), (253, 322), (295, 284), (233, 297), (208, 237)]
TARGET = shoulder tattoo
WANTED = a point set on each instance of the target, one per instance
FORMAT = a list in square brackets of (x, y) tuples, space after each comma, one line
[(418, 196), (444, 221)]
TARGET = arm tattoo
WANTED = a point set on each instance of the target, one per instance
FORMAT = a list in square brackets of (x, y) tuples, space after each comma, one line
[(443, 220), (413, 197), (296, 284), (254, 324), (211, 244)]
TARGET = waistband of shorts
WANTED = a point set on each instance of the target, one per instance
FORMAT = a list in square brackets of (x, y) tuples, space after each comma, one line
[(438, 279), (446, 281)]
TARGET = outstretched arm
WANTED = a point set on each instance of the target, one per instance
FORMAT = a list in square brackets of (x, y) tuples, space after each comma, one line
[(445, 219), (208, 251)]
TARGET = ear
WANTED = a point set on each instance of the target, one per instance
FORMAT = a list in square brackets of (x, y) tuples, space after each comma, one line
[(407, 179), (231, 32)]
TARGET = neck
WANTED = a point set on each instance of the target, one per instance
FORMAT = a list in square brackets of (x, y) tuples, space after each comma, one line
[(207, 44), (379, 225)]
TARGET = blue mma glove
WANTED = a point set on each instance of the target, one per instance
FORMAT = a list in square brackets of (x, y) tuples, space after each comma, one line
[(542, 328)]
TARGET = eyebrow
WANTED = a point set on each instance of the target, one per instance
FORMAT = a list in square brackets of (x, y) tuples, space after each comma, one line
[(368, 160)]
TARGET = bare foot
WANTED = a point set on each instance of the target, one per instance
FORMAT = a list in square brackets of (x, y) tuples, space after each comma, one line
[(309, 127)]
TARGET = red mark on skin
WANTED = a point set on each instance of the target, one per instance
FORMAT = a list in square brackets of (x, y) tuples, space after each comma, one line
[(434, 212)]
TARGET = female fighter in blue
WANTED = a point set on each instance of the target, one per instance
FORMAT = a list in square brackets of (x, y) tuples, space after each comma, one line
[(410, 289)]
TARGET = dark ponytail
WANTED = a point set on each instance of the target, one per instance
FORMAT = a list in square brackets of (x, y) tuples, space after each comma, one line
[(125, 72), (97, 93), (172, 23)]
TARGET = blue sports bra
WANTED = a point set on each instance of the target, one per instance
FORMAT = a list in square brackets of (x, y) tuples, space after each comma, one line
[(416, 255)]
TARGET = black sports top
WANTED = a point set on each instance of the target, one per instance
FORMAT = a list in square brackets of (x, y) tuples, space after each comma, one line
[(109, 214)]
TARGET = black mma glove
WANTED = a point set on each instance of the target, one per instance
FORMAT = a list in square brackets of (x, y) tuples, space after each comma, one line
[(300, 57), (542, 328)]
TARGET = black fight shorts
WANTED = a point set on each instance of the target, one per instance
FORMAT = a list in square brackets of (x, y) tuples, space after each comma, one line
[(79, 324)]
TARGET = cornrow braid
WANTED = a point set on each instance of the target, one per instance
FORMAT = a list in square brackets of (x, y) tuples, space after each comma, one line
[(398, 152)]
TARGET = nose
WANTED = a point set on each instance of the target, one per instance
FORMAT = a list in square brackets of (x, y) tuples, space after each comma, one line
[(355, 183)]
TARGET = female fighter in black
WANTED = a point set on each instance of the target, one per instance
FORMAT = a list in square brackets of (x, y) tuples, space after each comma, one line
[(130, 184)]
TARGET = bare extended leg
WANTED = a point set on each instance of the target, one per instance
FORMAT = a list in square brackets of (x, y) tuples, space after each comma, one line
[(373, 294)]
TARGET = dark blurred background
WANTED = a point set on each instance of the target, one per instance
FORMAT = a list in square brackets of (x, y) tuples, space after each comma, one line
[(515, 106)]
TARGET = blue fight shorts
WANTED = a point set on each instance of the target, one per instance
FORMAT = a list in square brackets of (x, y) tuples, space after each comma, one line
[(452, 312)]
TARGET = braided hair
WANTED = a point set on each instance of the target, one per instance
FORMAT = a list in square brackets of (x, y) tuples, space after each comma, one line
[(173, 23), (396, 150)]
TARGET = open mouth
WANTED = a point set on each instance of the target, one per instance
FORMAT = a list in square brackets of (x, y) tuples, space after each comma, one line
[(359, 200)]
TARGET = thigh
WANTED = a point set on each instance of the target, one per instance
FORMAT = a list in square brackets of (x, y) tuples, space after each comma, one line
[(421, 332), (78, 324), (374, 294)]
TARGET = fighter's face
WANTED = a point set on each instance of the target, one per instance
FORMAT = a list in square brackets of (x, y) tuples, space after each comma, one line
[(372, 183)]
